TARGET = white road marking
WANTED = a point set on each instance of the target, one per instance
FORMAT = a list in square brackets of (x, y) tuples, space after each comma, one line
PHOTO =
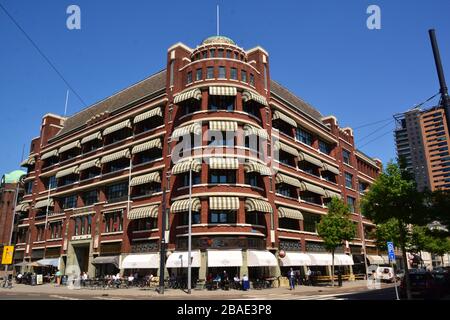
[(63, 297)]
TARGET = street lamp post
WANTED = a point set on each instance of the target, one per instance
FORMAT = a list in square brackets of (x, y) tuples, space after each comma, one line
[(190, 233)]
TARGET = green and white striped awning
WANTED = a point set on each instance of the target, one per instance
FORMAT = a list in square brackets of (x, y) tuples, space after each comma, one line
[(185, 166), (251, 130), (194, 128), (248, 95), (331, 194), (282, 178), (117, 127), (285, 118), (223, 126), (44, 204), (47, 155), (284, 147), (222, 91), (147, 115), (223, 203), (143, 212), (23, 207), (70, 146), (92, 137), (257, 167), (28, 162), (116, 156), (257, 205), (90, 164), (284, 212), (67, 172), (155, 143), (188, 94), (306, 157), (183, 205), (223, 163), (305, 186), (146, 178), (332, 169)]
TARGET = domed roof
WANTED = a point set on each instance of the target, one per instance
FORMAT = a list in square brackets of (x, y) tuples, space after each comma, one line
[(13, 177), (218, 39)]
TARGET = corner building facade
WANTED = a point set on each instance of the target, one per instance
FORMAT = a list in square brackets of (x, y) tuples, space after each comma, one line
[(264, 165)]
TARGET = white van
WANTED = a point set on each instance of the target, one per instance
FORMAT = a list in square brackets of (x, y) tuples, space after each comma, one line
[(385, 274)]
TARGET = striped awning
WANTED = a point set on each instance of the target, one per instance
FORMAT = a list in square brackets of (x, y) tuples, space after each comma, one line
[(224, 163), (284, 147), (223, 203), (284, 212), (251, 130), (116, 156), (70, 146), (28, 162), (23, 207), (183, 205), (222, 91), (331, 194), (282, 178), (306, 157), (257, 205), (44, 203), (248, 95), (194, 128), (189, 94), (305, 186), (146, 178), (285, 118), (257, 167), (185, 166), (149, 114), (92, 137), (143, 212), (117, 127), (90, 164), (223, 126), (67, 172), (328, 167), (53, 153), (155, 143)]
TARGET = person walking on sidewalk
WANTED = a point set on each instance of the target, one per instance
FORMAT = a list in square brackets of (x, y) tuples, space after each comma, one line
[(291, 279)]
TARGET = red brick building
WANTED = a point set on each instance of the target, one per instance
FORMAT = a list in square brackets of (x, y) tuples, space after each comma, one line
[(265, 163)]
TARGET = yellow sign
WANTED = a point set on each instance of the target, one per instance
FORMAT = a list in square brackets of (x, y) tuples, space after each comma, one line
[(7, 257)]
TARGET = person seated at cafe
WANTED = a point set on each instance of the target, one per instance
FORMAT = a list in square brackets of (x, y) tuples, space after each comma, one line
[(245, 283), (225, 281), (130, 280), (19, 278), (237, 282)]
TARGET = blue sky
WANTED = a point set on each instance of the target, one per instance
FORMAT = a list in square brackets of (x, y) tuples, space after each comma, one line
[(321, 50)]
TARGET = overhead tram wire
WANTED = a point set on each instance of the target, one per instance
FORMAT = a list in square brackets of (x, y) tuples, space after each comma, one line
[(375, 139), (371, 123), (43, 55), (375, 131)]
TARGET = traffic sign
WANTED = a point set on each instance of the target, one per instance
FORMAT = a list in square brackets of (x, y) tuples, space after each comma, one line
[(391, 253)]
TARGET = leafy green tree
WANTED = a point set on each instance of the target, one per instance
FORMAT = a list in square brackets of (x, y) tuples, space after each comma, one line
[(418, 240), (394, 195), (335, 228), (437, 243), (440, 207), (384, 232)]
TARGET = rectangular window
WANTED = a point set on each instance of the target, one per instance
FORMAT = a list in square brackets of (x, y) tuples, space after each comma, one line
[(189, 77), (265, 77), (69, 202), (252, 79), (304, 136), (204, 54), (117, 192), (243, 76), (221, 138), (210, 73), (220, 53), (172, 64), (233, 73), (351, 203), (221, 103), (222, 216), (29, 187), (284, 190), (324, 147), (310, 222), (198, 75), (222, 73), (185, 218), (222, 176), (228, 54), (146, 224), (290, 224), (185, 179), (251, 179), (90, 197), (212, 53), (346, 156), (348, 180), (55, 230), (113, 221)]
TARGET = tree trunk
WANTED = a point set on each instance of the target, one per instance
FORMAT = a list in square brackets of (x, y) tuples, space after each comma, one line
[(332, 268), (405, 259)]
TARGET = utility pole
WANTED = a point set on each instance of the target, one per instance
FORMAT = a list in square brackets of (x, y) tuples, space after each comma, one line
[(190, 233), (163, 244)]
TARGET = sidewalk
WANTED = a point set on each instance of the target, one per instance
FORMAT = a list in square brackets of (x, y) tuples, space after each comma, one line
[(360, 285)]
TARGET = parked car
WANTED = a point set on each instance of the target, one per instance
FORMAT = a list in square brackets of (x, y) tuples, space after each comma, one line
[(423, 284), (384, 274), (442, 278)]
